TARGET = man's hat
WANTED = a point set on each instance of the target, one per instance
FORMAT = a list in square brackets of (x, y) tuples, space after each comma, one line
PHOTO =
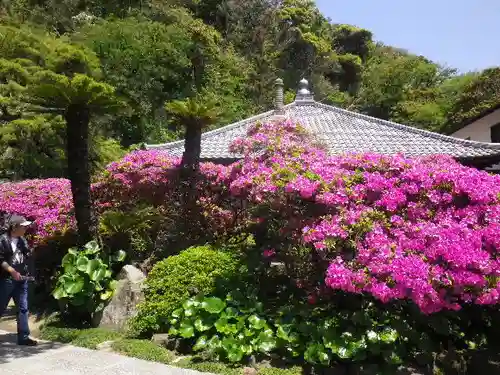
[(19, 221)]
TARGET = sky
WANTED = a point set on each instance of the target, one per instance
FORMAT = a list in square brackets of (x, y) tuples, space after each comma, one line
[(461, 34)]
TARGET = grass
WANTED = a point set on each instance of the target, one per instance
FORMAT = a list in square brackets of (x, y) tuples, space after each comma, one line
[(55, 330), (86, 338), (207, 366), (143, 349)]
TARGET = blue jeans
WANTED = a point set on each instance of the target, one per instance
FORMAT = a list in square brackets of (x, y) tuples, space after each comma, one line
[(17, 290)]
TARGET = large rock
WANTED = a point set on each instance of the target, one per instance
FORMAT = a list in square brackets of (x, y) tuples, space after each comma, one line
[(123, 304)]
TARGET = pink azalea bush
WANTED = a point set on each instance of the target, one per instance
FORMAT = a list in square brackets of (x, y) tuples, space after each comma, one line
[(397, 228), (48, 202), (424, 229)]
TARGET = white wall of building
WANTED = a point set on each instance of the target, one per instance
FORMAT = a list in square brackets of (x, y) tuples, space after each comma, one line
[(479, 130)]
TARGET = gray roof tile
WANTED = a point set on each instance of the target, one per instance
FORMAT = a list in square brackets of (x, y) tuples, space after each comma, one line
[(343, 132)]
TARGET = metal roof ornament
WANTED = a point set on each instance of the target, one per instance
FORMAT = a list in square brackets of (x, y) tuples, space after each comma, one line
[(303, 94)]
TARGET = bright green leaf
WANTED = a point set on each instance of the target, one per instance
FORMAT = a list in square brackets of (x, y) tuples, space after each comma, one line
[(186, 330), (201, 326), (257, 322), (92, 247), (213, 305), (74, 286), (106, 295), (120, 256), (201, 343), (59, 293), (82, 263)]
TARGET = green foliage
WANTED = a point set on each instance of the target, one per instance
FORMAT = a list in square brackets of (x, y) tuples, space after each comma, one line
[(41, 77), (197, 270), (86, 282), (86, 338), (223, 328), (234, 330), (210, 367), (478, 96), (141, 349), (227, 53), (134, 230), (191, 112)]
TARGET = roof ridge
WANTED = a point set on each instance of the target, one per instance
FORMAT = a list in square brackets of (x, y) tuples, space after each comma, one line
[(211, 133), (443, 137)]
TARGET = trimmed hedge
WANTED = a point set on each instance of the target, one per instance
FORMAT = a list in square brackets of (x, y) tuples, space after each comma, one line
[(197, 270)]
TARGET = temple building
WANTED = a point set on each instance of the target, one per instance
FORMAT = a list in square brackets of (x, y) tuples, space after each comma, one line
[(343, 131)]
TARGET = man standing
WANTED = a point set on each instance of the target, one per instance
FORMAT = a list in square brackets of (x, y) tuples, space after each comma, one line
[(14, 254)]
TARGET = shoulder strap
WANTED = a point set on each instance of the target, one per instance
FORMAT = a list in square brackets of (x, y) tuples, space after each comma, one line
[(4, 243)]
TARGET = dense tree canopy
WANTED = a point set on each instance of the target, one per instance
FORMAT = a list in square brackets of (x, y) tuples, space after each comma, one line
[(228, 52)]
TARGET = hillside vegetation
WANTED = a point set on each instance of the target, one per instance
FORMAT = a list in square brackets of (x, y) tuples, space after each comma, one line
[(129, 60)]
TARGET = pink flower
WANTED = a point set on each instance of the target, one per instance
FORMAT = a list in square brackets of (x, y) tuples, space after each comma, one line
[(269, 253)]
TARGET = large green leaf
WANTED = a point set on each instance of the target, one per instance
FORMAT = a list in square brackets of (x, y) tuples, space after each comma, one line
[(106, 295), (201, 343), (316, 353), (119, 256), (213, 305), (73, 251), (201, 326), (82, 263), (222, 325), (186, 330), (96, 270), (231, 312), (233, 349), (68, 262), (214, 343), (113, 284), (177, 313), (190, 303), (92, 247), (266, 341), (59, 293), (74, 286), (257, 322)]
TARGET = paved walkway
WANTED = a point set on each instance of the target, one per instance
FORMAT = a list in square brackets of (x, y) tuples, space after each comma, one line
[(57, 359)]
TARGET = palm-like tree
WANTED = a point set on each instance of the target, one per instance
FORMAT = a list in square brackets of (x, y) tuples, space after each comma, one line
[(194, 115), (77, 99)]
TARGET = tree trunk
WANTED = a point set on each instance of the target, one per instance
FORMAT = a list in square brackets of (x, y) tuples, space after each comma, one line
[(77, 124), (189, 177), (192, 147)]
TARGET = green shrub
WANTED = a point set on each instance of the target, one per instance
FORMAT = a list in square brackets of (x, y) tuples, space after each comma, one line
[(133, 229), (236, 329), (142, 349), (228, 329), (86, 280), (197, 270)]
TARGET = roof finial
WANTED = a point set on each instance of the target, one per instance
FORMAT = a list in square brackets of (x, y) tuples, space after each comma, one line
[(303, 94), (279, 111), (278, 99)]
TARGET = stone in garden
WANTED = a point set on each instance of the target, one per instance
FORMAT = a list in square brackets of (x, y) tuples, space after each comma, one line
[(249, 371), (123, 304), (105, 346), (161, 339)]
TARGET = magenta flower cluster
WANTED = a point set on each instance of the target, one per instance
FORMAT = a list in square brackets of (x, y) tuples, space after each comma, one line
[(397, 228), (424, 229), (48, 202)]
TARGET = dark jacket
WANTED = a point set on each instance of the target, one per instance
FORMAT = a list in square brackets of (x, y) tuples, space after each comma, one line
[(7, 255)]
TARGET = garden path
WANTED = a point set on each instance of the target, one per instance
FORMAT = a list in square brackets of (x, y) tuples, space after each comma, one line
[(58, 359)]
